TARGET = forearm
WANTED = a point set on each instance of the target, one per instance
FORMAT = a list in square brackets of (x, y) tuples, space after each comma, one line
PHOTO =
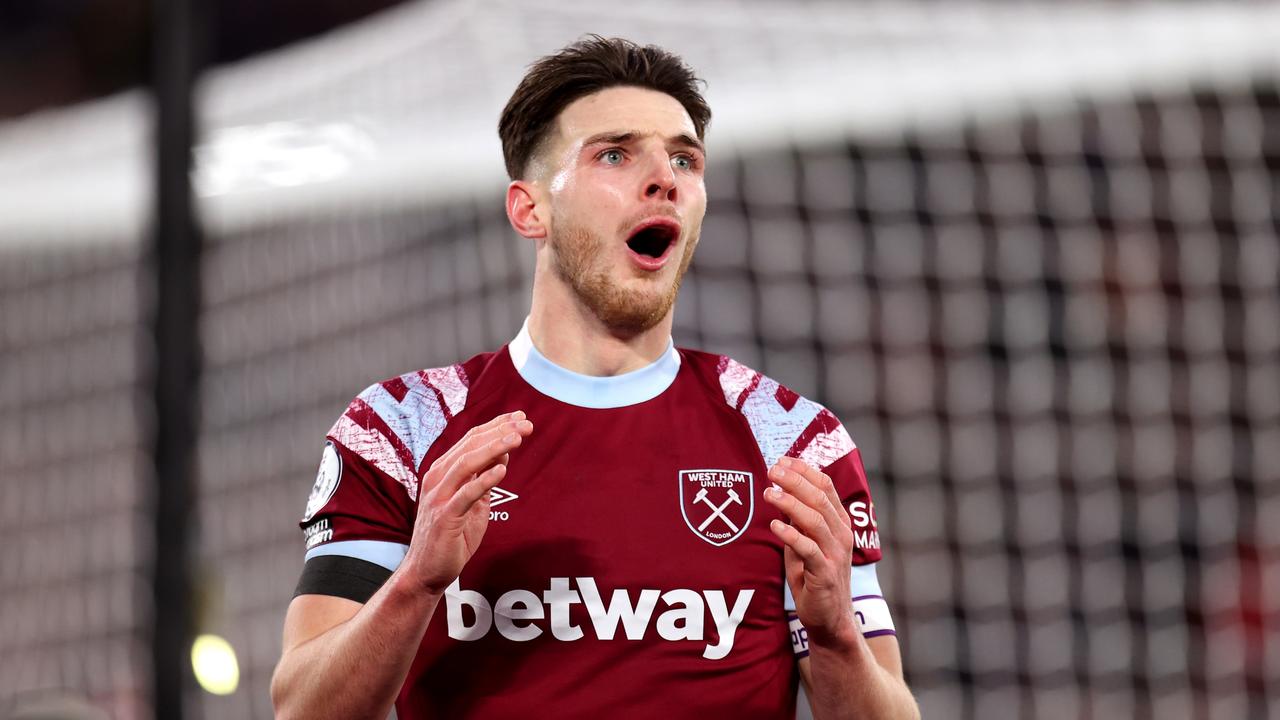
[(356, 669), (846, 681)]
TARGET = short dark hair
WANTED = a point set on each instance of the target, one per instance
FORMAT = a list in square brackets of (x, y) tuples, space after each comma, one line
[(587, 66)]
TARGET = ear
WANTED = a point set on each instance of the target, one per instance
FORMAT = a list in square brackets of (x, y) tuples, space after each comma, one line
[(522, 210)]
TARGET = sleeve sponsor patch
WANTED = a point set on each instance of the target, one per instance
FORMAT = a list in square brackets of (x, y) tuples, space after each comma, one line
[(327, 479), (873, 616), (799, 636), (869, 607), (317, 532)]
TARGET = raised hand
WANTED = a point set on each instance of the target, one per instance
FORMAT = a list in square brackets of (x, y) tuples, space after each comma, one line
[(453, 500), (818, 548)]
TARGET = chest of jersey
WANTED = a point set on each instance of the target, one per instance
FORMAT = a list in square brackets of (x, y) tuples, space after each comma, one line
[(628, 543)]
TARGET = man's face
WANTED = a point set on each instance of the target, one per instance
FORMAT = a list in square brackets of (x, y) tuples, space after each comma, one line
[(624, 174)]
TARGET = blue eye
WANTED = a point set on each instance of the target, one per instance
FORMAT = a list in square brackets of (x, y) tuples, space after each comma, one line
[(612, 157), (684, 162)]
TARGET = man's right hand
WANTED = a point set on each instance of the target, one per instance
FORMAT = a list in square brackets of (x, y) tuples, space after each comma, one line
[(453, 501), (342, 659)]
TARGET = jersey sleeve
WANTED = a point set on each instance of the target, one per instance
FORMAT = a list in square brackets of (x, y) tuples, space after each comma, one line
[(831, 449), (359, 517), (784, 423), (352, 505), (353, 528)]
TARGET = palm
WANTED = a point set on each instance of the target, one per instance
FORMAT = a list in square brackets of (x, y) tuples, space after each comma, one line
[(817, 605), (453, 506), (475, 523), (818, 545), (437, 526)]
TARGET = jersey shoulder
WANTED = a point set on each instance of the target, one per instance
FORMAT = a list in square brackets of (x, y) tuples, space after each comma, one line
[(393, 423), (783, 422)]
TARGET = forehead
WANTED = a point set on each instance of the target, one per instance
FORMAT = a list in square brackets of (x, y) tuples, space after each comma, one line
[(623, 108)]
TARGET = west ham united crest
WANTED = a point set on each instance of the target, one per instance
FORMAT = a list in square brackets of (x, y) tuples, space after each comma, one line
[(717, 504)]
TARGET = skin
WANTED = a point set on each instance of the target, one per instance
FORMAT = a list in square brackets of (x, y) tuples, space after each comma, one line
[(846, 675), (342, 659), (617, 157), (593, 311)]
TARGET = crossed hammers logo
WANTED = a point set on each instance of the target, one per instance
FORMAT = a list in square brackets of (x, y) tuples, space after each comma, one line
[(717, 511)]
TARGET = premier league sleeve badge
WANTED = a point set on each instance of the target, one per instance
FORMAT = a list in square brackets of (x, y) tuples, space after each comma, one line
[(327, 479)]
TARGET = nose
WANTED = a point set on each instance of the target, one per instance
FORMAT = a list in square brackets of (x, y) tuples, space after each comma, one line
[(660, 182)]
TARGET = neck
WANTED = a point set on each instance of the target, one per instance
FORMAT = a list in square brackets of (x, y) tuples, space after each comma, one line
[(571, 336)]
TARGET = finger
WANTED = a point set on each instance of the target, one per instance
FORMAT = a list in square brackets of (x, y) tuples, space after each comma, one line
[(477, 460), (820, 480), (793, 568), (791, 563), (440, 468), (466, 498), (804, 547), (810, 491), (807, 519), (798, 486), (447, 479), (448, 457)]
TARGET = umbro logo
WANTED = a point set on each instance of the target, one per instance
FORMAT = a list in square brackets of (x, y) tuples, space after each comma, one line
[(498, 496)]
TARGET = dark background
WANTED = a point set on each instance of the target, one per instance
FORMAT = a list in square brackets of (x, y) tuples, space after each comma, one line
[(57, 52)]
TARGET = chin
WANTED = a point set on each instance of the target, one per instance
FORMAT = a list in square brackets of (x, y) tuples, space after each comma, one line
[(636, 317), (624, 302), (631, 311)]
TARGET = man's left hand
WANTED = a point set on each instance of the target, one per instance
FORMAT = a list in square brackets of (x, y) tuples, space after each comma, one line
[(818, 548)]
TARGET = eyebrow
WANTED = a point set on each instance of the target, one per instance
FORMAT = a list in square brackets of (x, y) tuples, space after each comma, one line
[(626, 136)]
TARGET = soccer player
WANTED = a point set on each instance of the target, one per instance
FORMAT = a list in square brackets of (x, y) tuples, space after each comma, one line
[(680, 536)]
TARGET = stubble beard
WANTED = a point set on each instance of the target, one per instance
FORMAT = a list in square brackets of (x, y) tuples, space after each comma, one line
[(580, 260)]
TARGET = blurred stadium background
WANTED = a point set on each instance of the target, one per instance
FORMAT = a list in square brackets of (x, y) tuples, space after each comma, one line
[(1028, 252)]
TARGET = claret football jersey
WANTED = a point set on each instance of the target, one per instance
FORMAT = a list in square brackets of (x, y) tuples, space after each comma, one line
[(628, 569)]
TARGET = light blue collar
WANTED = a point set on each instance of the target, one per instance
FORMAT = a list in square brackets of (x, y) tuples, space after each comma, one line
[(589, 391)]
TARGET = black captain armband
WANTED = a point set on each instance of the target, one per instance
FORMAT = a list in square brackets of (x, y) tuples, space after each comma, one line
[(341, 576)]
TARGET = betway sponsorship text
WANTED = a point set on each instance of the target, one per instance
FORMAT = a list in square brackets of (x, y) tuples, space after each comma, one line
[(517, 614)]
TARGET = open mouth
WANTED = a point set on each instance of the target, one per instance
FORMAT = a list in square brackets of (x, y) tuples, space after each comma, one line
[(654, 239)]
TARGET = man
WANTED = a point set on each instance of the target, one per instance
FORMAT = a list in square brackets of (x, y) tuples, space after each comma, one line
[(675, 533)]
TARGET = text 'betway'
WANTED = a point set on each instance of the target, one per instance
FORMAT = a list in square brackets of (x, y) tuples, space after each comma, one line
[(516, 613)]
